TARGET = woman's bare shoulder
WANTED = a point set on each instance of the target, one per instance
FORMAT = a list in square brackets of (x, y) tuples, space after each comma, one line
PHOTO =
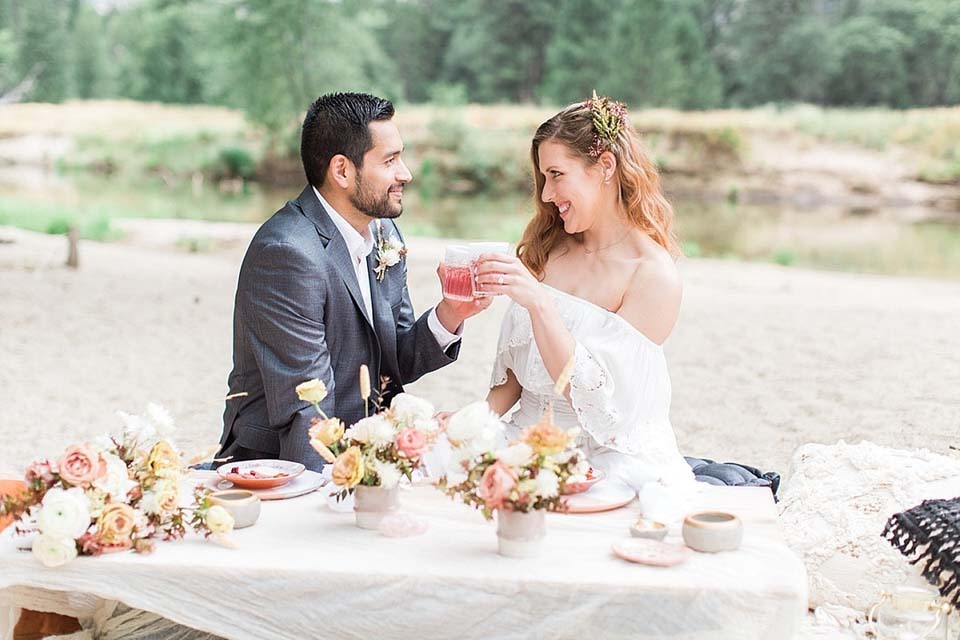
[(651, 302)]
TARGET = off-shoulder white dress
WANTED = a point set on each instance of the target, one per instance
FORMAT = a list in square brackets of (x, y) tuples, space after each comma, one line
[(619, 391)]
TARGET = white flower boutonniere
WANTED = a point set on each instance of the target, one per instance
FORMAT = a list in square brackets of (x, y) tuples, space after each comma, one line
[(389, 252)]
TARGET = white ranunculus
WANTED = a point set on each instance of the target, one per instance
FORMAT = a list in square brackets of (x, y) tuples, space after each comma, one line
[(516, 455), (390, 257), (53, 551), (117, 481), (548, 484), (64, 514), (150, 503), (375, 430), (408, 409), (427, 426), (388, 473), (219, 520), (473, 426)]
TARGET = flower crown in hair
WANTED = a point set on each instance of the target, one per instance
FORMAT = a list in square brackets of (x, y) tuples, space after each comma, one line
[(608, 119)]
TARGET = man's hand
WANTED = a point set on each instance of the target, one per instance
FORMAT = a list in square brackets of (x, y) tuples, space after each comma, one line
[(452, 313)]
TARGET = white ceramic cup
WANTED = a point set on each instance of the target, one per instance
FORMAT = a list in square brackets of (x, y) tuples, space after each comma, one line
[(243, 505), (712, 531)]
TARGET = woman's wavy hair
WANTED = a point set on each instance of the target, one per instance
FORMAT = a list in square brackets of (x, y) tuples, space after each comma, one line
[(637, 176)]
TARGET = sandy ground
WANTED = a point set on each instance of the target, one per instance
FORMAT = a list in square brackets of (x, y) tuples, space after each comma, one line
[(764, 358)]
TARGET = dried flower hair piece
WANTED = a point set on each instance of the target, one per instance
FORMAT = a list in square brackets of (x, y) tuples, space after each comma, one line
[(609, 117)]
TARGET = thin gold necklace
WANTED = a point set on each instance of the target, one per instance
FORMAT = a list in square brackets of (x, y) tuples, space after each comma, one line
[(614, 243)]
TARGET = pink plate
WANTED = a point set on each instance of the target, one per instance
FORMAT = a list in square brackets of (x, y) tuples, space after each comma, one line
[(260, 474), (606, 495), (651, 552), (579, 487)]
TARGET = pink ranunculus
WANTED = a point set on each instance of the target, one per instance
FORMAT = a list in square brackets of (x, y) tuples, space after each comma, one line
[(81, 465), (496, 484), (42, 471), (411, 443)]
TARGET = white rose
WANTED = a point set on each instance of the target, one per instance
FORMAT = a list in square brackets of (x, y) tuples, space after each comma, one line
[(375, 430), (219, 520), (515, 456), (548, 484), (53, 551), (388, 473), (64, 514), (427, 426), (474, 424), (117, 482), (408, 409), (390, 257)]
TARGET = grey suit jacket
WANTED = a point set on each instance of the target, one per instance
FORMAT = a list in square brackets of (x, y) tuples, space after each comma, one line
[(299, 315)]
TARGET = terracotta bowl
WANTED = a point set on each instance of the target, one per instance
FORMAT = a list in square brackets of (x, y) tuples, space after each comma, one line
[(712, 531), (260, 474)]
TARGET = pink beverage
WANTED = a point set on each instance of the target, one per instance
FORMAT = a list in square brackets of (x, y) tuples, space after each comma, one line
[(458, 273), (458, 283)]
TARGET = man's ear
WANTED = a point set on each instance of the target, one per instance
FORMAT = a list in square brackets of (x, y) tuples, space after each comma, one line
[(341, 171)]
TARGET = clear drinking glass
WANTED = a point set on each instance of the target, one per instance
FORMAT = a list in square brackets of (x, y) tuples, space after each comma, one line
[(478, 249), (458, 273)]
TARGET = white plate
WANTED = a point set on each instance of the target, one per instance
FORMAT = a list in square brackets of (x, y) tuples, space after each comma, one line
[(605, 495), (303, 484)]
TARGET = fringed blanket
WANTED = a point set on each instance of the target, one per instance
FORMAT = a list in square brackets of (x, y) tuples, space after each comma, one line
[(931, 532)]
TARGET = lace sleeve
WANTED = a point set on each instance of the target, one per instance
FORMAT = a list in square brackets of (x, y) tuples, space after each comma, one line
[(504, 359), (618, 388)]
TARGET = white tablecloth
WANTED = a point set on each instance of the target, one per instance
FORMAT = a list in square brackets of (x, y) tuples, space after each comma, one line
[(306, 571)]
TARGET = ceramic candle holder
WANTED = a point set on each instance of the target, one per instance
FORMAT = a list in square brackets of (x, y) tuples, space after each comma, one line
[(243, 505), (649, 529), (712, 531)]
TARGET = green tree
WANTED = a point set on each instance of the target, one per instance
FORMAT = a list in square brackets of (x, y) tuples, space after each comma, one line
[(497, 48), (41, 53), (871, 69), (89, 54), (660, 56), (576, 59)]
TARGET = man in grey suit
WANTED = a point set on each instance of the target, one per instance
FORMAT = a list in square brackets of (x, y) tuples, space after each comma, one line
[(310, 301)]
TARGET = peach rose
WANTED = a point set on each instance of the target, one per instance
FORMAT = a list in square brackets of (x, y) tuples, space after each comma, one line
[(348, 469), (545, 438), (496, 484), (326, 431), (115, 527), (163, 460), (411, 443), (80, 465)]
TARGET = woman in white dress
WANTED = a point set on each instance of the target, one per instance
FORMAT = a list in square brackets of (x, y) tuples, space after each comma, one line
[(596, 281)]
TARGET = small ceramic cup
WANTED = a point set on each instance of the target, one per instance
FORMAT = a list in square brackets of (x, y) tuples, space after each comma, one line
[(712, 531), (243, 505), (649, 529)]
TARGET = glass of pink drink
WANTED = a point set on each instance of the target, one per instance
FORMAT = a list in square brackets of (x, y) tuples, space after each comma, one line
[(480, 248), (458, 273)]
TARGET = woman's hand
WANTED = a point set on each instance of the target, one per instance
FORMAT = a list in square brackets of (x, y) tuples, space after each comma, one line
[(500, 274)]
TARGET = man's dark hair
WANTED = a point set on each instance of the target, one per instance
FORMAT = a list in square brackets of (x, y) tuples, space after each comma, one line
[(339, 123)]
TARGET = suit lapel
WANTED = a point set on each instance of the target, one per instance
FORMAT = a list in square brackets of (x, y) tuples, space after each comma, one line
[(336, 246)]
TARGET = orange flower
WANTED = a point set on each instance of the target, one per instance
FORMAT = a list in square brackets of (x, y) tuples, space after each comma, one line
[(348, 469), (544, 437)]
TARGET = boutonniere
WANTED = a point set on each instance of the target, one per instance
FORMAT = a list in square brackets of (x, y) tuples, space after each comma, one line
[(389, 252)]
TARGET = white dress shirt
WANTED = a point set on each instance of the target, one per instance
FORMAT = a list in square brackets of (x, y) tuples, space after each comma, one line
[(360, 246)]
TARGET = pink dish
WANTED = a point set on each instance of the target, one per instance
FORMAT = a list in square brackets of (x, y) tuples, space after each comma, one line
[(260, 474), (651, 552), (593, 477)]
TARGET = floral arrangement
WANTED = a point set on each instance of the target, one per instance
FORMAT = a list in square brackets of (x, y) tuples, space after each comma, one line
[(609, 117), (389, 252), (524, 476), (379, 449), (113, 495)]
